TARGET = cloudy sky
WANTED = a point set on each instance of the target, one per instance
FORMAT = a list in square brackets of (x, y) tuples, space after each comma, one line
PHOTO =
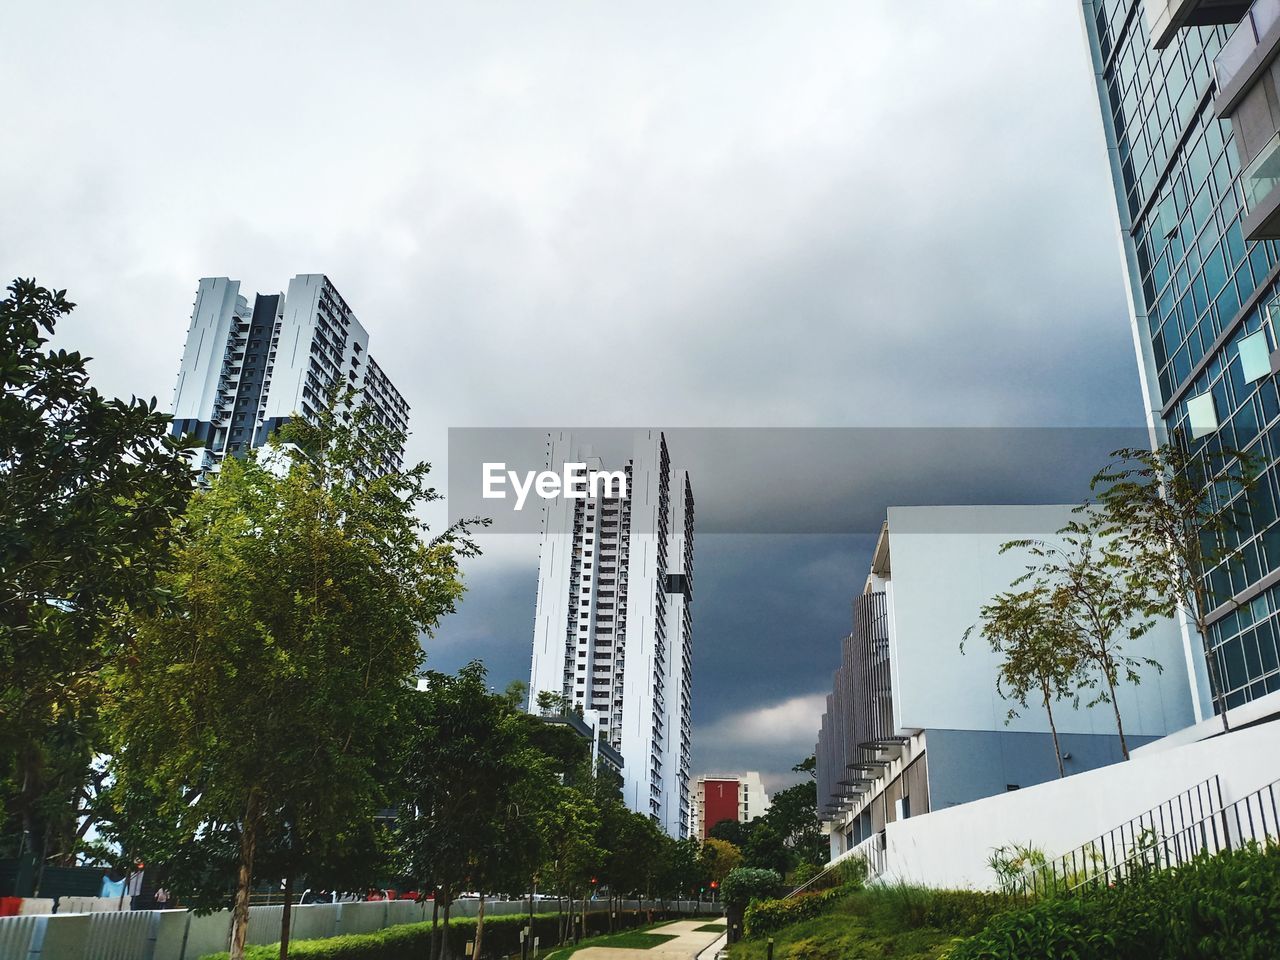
[(687, 215)]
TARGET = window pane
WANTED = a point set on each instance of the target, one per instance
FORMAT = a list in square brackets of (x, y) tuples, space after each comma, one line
[(1203, 414), (1255, 358)]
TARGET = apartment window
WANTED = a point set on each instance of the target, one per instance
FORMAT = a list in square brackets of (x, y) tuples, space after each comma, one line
[(1202, 413), (1255, 356)]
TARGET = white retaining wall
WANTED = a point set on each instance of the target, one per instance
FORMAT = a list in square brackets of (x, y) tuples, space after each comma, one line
[(949, 848)]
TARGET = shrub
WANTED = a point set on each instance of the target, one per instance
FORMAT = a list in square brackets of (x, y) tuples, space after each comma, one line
[(1220, 906), (766, 916), (744, 884), (501, 937)]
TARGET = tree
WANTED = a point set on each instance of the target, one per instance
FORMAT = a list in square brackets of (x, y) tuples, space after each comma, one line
[(258, 707), (1175, 518), (736, 832), (793, 815), (718, 858), (90, 488), (1041, 653), (766, 849), (1089, 601), (684, 872)]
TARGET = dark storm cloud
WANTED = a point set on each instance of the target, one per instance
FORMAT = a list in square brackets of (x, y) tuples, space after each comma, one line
[(720, 214)]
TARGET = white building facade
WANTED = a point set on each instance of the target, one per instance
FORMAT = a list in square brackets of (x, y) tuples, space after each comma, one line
[(914, 725), (613, 628), (247, 368)]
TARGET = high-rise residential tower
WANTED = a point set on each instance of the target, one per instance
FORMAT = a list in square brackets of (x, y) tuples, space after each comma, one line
[(739, 797), (613, 629), (248, 368), (1188, 92)]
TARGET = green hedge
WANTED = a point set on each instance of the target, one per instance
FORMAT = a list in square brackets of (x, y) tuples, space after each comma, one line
[(501, 937), (768, 916), (1225, 906)]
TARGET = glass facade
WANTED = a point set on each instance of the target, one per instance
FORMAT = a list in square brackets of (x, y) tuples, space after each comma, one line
[(1202, 298)]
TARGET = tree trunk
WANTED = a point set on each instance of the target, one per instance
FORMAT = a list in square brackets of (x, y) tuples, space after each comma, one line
[(479, 928), (286, 916), (1115, 707), (1053, 729), (244, 878), (434, 950), (1211, 661), (445, 951)]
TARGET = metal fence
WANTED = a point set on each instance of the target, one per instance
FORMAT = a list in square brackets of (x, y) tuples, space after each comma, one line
[(1169, 835)]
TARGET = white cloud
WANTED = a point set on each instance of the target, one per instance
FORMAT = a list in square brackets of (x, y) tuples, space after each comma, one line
[(791, 723)]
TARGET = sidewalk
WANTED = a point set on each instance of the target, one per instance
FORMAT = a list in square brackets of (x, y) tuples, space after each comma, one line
[(688, 943)]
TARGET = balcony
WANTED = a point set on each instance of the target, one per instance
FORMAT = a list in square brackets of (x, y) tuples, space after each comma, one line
[(1246, 53), (1167, 17), (1262, 199), (1249, 96)]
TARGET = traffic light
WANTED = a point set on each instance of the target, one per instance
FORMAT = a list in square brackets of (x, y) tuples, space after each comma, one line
[(715, 885)]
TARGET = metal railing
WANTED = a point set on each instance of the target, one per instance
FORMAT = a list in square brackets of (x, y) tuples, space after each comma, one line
[(1191, 824), (1235, 53)]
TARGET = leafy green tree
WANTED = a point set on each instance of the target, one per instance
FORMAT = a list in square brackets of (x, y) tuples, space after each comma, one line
[(1175, 518), (765, 849), (1089, 600), (735, 832), (258, 706), (1041, 653), (793, 814), (718, 858), (683, 870), (90, 488)]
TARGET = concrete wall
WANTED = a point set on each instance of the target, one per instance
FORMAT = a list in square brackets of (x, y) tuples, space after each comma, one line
[(946, 563), (949, 848)]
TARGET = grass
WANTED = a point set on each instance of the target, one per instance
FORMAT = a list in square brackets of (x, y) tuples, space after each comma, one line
[(710, 928), (878, 922), (640, 939)]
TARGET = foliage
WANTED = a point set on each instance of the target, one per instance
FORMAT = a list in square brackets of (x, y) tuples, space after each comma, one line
[(766, 849), (258, 710), (1041, 653), (1214, 907), (414, 939), (1089, 602), (859, 925), (719, 859), (1175, 515), (768, 916), (1018, 868), (90, 488), (744, 884)]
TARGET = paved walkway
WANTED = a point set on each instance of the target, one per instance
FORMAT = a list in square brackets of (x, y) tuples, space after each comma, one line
[(688, 943)]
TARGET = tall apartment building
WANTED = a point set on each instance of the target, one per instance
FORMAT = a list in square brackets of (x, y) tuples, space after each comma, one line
[(736, 796), (247, 368), (1188, 92), (914, 725), (613, 631)]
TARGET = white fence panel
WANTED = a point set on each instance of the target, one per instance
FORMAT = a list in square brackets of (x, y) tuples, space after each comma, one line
[(16, 934), (208, 934), (314, 921), (120, 936)]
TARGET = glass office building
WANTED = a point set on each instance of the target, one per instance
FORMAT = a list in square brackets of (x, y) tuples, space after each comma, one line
[(1185, 90)]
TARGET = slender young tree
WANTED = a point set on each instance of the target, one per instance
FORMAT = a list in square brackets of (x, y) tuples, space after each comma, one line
[(1088, 599), (1040, 653), (261, 702), (1175, 516)]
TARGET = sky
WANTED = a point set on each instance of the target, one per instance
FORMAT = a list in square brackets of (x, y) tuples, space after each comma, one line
[(721, 214)]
